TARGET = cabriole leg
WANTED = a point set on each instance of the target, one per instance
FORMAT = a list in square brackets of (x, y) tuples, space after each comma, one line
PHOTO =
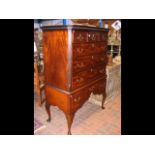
[(47, 107), (104, 97), (69, 122)]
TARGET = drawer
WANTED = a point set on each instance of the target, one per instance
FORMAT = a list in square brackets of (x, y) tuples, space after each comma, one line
[(79, 98), (86, 36), (86, 76), (88, 49), (81, 63)]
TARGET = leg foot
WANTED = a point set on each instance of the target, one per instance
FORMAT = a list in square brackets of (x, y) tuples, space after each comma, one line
[(69, 133), (47, 107), (48, 120), (103, 107)]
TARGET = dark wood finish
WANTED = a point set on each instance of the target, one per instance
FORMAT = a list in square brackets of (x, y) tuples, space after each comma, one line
[(56, 58), (75, 60)]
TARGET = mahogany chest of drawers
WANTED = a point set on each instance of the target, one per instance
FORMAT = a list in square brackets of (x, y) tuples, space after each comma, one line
[(75, 61)]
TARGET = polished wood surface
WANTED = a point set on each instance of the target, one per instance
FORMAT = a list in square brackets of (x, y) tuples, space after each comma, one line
[(75, 60), (56, 58)]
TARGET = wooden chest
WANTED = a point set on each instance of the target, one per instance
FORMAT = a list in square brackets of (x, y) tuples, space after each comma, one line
[(75, 60)]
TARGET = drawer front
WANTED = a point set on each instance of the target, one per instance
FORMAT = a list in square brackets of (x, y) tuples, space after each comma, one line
[(84, 49), (81, 63), (79, 98), (88, 36), (87, 76)]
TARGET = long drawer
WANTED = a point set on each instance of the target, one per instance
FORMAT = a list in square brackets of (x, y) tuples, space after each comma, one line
[(84, 49), (78, 99), (81, 63), (86, 76)]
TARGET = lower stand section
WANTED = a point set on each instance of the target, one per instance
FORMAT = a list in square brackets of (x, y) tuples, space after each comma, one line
[(69, 110)]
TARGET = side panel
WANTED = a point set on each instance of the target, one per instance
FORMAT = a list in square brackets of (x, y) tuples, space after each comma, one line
[(57, 98), (55, 45)]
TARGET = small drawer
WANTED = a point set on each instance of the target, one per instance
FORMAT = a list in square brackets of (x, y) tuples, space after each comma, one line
[(79, 36), (93, 36)]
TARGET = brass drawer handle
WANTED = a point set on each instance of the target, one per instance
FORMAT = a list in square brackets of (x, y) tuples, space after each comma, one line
[(77, 99), (80, 37), (92, 45), (91, 89), (101, 71), (80, 65), (102, 59), (93, 37), (80, 79), (79, 50)]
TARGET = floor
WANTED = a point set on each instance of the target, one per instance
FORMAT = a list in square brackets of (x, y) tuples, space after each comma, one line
[(89, 120)]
